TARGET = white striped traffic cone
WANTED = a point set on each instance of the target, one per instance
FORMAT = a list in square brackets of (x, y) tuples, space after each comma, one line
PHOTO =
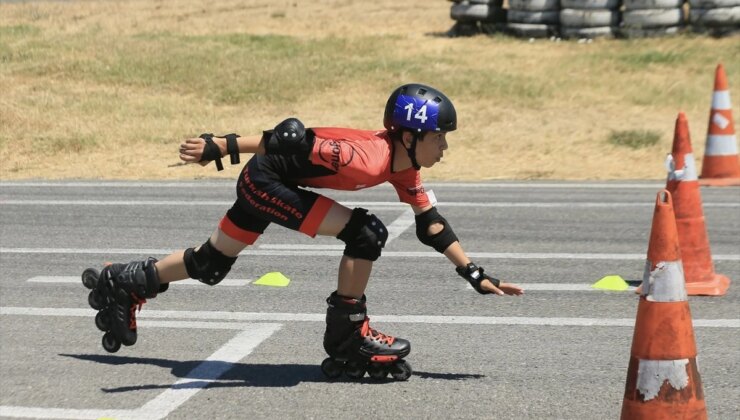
[(721, 166), (663, 381)]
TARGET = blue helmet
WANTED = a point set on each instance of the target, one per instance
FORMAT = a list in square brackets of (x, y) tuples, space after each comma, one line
[(420, 108)]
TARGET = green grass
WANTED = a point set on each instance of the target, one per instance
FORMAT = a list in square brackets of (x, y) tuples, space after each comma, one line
[(105, 78), (634, 139), (243, 68)]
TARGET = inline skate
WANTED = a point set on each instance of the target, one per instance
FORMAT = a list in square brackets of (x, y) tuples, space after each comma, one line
[(117, 293), (355, 348)]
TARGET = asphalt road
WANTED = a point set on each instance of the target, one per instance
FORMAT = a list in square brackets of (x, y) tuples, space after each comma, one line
[(240, 350)]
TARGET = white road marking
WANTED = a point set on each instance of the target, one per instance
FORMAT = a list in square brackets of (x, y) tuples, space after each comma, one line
[(230, 184), (78, 280), (577, 287), (559, 287), (370, 204), (398, 226), (326, 251), (406, 319), (208, 371)]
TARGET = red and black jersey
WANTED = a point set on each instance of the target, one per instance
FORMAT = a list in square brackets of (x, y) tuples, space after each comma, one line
[(268, 189), (357, 159)]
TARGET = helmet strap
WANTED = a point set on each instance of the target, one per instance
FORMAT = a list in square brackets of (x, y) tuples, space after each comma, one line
[(411, 151)]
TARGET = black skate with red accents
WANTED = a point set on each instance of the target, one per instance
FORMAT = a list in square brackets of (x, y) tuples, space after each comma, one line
[(355, 348), (117, 293)]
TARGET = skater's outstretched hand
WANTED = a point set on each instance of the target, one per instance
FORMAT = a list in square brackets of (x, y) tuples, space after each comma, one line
[(485, 284), (502, 289), (191, 151)]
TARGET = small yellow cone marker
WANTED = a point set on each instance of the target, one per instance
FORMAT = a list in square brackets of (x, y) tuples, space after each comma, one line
[(611, 283), (275, 279)]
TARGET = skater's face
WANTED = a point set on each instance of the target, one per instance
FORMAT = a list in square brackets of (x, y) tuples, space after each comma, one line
[(430, 149)]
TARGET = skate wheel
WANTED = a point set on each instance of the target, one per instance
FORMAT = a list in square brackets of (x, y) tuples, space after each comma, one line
[(332, 368), (401, 370), (90, 278), (103, 321), (354, 370), (377, 371), (95, 300), (110, 343)]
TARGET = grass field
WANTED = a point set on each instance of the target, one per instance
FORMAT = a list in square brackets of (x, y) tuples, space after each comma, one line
[(107, 89)]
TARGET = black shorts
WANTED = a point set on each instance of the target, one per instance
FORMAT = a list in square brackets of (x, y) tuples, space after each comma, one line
[(265, 195)]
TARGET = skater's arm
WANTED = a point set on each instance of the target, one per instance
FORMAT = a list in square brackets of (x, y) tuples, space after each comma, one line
[(192, 149), (434, 230)]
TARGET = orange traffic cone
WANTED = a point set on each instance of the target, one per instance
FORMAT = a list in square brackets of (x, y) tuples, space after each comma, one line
[(692, 232), (663, 379), (721, 166)]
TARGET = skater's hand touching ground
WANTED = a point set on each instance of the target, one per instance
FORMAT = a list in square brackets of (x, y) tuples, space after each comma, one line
[(485, 284), (502, 289)]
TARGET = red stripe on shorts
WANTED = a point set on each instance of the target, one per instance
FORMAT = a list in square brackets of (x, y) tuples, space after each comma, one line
[(316, 215), (235, 232)]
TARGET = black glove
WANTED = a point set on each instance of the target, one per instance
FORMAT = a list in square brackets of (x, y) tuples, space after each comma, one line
[(211, 151), (474, 275)]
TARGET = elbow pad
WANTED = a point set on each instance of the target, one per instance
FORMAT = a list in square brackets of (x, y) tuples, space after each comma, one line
[(289, 137), (439, 241)]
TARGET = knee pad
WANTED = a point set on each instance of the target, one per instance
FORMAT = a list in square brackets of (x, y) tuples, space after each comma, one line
[(364, 234), (207, 265)]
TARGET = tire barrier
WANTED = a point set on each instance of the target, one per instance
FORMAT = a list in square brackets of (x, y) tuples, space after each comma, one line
[(533, 18), (589, 18), (715, 17), (651, 18), (594, 18), (476, 16)]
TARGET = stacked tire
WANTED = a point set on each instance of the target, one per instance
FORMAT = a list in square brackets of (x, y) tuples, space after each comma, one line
[(589, 18), (715, 17), (649, 18), (475, 16), (533, 18)]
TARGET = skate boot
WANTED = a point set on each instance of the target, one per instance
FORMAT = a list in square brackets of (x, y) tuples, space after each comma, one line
[(355, 348), (117, 293)]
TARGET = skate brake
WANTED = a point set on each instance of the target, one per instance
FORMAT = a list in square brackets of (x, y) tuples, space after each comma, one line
[(136, 307)]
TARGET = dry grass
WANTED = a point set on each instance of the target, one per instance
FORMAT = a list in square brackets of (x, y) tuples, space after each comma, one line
[(106, 89)]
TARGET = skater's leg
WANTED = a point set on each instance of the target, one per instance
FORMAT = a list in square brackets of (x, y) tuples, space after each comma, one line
[(172, 267), (354, 273), (353, 346)]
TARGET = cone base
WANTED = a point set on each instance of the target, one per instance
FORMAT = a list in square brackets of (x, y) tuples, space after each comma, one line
[(716, 287), (719, 182), (633, 410)]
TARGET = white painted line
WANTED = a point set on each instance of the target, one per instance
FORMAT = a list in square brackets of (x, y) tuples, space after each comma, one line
[(300, 247), (207, 372), (567, 287), (304, 317), (300, 250), (230, 184), (578, 287), (370, 204), (78, 280), (398, 226)]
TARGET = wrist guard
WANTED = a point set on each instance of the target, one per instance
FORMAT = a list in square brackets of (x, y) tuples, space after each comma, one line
[(475, 275), (212, 152), (439, 241)]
